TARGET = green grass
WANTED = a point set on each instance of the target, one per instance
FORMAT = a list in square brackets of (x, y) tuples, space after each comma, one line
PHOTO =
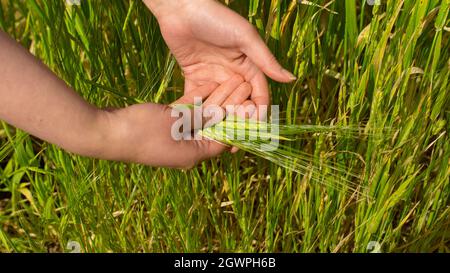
[(378, 67)]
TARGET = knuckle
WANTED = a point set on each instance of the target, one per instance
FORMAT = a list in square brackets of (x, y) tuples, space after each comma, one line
[(238, 78), (271, 58), (245, 86)]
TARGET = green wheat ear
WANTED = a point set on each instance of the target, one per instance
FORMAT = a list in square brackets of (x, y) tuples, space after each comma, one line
[(251, 140)]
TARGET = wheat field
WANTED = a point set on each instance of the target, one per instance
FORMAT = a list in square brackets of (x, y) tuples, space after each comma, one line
[(378, 67)]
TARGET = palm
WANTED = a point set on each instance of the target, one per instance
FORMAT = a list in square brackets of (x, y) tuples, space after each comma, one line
[(203, 62), (212, 50)]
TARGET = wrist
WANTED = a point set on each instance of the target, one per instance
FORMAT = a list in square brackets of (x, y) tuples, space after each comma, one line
[(142, 133), (126, 132), (109, 136)]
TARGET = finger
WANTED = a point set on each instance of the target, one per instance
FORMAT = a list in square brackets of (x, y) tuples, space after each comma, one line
[(195, 151), (260, 96), (194, 97), (255, 48), (213, 113), (244, 111), (211, 148), (222, 92), (201, 92), (240, 95)]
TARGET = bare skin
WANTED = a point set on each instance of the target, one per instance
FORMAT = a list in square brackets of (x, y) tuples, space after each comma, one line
[(35, 100), (32, 98), (211, 43)]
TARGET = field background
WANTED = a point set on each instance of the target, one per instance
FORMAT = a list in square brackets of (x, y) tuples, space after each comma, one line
[(384, 66)]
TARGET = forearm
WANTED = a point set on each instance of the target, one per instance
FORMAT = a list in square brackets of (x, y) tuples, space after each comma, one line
[(32, 98)]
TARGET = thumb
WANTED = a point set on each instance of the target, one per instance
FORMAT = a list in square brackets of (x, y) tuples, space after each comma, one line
[(211, 148), (196, 151), (258, 52)]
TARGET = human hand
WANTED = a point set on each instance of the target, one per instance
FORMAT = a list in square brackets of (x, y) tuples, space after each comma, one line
[(211, 43), (35, 100), (144, 134)]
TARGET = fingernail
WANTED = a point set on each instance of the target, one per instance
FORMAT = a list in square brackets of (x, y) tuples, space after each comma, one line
[(289, 75)]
